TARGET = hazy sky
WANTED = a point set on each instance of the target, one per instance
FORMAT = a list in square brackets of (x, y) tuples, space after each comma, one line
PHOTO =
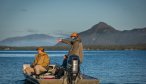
[(23, 17)]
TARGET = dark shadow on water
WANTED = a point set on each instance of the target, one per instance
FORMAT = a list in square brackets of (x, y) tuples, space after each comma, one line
[(22, 82), (19, 82)]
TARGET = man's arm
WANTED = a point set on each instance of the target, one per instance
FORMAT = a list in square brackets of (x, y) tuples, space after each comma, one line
[(66, 41), (34, 62)]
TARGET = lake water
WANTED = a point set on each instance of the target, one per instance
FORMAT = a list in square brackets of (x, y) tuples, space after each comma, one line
[(110, 67)]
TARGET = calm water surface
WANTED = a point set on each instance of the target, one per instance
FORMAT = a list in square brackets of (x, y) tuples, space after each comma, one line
[(110, 67)]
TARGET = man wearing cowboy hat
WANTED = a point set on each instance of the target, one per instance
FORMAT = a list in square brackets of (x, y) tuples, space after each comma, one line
[(76, 45), (40, 63)]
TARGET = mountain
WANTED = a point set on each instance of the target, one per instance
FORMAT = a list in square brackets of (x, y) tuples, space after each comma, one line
[(99, 34), (30, 40), (100, 28), (104, 34)]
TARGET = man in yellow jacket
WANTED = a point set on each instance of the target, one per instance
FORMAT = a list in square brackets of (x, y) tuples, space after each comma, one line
[(40, 63)]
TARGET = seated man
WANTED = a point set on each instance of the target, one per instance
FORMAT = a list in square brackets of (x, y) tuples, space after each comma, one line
[(40, 63), (64, 64), (60, 71)]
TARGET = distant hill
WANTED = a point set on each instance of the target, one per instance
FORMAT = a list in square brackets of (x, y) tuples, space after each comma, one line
[(30, 40), (104, 34), (100, 34)]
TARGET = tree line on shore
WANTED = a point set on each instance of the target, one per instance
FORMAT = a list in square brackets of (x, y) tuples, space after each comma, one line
[(86, 47)]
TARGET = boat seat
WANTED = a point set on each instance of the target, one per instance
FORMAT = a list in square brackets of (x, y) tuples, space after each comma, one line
[(48, 70), (43, 72)]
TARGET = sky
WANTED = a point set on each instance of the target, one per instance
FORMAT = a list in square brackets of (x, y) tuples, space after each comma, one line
[(25, 17)]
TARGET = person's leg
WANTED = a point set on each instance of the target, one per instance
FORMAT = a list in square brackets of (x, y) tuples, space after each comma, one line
[(29, 70), (39, 69)]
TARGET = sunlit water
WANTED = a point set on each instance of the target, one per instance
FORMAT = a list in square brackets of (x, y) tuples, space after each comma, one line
[(110, 67)]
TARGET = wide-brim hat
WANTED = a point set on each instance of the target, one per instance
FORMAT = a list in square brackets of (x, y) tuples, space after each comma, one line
[(40, 48), (74, 34)]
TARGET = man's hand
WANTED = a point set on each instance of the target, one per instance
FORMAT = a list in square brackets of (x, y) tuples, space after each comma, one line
[(59, 40), (32, 66)]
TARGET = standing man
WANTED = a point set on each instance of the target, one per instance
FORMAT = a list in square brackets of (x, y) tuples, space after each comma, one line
[(76, 45), (40, 63)]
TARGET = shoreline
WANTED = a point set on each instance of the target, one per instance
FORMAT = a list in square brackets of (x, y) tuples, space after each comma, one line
[(91, 47)]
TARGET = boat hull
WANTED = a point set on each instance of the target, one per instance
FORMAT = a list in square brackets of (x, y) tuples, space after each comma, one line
[(86, 80)]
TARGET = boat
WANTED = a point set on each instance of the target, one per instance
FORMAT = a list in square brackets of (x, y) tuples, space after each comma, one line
[(57, 74), (50, 78)]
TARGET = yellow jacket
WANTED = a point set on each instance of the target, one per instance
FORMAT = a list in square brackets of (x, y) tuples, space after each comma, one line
[(42, 59)]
